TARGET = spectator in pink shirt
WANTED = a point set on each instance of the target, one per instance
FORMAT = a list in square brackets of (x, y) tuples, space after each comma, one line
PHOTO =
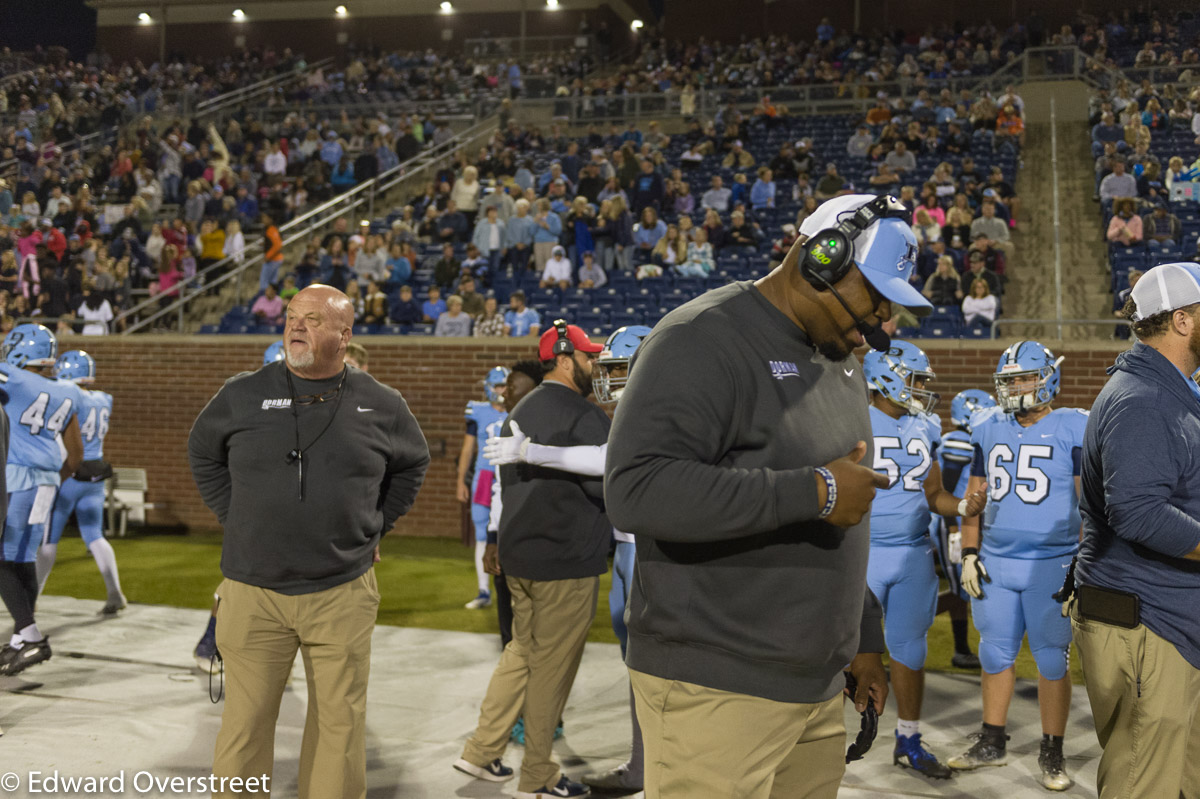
[(268, 308)]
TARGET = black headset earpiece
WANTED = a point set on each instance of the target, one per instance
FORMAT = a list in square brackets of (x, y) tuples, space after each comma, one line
[(563, 345), (829, 253)]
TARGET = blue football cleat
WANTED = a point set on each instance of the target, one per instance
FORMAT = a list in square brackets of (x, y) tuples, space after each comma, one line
[(910, 753)]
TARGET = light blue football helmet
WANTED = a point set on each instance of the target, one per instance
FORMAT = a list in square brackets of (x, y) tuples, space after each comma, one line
[(76, 366), (1026, 377), (965, 403), (30, 345), (896, 373), (273, 353), (611, 371), (493, 384)]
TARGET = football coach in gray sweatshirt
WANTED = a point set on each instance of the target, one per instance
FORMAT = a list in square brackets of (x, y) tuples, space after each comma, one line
[(306, 463), (735, 460)]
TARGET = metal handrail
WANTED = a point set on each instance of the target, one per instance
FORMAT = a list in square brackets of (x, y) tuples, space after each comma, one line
[(222, 102), (79, 144), (300, 227)]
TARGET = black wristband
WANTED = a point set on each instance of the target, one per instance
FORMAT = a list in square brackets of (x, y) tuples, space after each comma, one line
[(970, 551), (492, 538)]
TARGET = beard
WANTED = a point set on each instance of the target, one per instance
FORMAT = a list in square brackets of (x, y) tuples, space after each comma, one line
[(1194, 342), (300, 361), (582, 378), (833, 350)]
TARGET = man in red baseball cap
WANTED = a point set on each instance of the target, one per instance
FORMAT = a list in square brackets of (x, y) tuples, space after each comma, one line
[(553, 547)]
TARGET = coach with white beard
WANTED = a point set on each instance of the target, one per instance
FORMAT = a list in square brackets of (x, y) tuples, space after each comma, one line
[(307, 463)]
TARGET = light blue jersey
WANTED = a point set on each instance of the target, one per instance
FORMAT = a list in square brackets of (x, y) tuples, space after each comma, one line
[(94, 413), (1032, 510), (39, 409), (483, 422), (905, 449)]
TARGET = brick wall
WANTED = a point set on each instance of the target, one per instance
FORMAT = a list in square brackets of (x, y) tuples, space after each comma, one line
[(161, 383)]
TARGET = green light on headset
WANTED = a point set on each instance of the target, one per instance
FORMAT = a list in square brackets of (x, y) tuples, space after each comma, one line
[(833, 243)]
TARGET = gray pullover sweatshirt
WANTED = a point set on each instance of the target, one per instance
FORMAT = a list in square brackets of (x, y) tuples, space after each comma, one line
[(739, 587), (360, 475)]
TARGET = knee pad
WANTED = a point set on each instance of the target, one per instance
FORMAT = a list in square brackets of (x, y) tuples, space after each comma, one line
[(996, 656), (910, 653), (1052, 661)]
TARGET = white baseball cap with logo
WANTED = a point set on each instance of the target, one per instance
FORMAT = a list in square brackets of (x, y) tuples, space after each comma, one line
[(1166, 287)]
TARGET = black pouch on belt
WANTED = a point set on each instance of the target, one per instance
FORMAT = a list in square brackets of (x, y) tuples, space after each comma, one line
[(1118, 608)]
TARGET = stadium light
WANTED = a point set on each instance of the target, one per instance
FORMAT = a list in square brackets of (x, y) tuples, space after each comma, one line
[(239, 14), (144, 18), (341, 11), (636, 25), (552, 5), (446, 7)]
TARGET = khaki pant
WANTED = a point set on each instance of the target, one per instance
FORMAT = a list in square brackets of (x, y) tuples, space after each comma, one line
[(1146, 706), (542, 251), (551, 619), (258, 633), (702, 743)]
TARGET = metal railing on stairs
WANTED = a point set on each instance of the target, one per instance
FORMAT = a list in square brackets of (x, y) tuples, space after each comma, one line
[(226, 103), (296, 230)]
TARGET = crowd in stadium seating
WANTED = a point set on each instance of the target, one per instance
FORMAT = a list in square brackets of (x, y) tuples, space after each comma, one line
[(620, 227), (1145, 139)]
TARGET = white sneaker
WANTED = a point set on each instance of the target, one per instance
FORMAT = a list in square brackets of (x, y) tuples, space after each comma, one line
[(483, 600)]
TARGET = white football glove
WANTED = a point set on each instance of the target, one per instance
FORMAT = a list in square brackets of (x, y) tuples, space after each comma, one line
[(500, 450), (974, 574)]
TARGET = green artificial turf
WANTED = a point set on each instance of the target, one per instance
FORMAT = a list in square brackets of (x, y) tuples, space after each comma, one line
[(424, 583)]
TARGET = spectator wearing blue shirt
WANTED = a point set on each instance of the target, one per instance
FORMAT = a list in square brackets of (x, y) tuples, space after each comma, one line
[(385, 155), (648, 232), (518, 236), (547, 227), (825, 31), (452, 224), (433, 307), (1137, 576), (331, 150), (520, 320), (1106, 130), (632, 134), (343, 175), (740, 193), (399, 268), (247, 205), (762, 193), (514, 79)]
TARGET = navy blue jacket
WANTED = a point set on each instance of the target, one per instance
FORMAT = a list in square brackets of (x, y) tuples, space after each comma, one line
[(1141, 494)]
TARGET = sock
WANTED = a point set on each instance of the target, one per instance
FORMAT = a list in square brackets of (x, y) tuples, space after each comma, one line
[(907, 728), (14, 594), (479, 572), (959, 628), (16, 642), (45, 562), (106, 562), (636, 767), (31, 634), (995, 735), (1054, 742)]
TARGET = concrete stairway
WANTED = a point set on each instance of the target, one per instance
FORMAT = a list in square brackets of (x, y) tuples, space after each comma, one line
[(1031, 291)]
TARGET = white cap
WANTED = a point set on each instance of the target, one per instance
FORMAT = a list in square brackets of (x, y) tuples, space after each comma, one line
[(1165, 288)]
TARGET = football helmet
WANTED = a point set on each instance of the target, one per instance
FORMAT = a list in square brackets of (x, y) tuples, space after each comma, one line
[(30, 345), (273, 353), (493, 384), (965, 403), (895, 374), (1026, 377), (76, 366), (611, 371)]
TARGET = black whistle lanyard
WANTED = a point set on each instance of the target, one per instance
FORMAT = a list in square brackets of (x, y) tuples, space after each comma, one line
[(296, 456)]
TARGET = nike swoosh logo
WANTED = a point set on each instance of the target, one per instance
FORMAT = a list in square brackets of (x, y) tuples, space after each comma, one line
[(364, 410), (848, 372), (1047, 435)]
